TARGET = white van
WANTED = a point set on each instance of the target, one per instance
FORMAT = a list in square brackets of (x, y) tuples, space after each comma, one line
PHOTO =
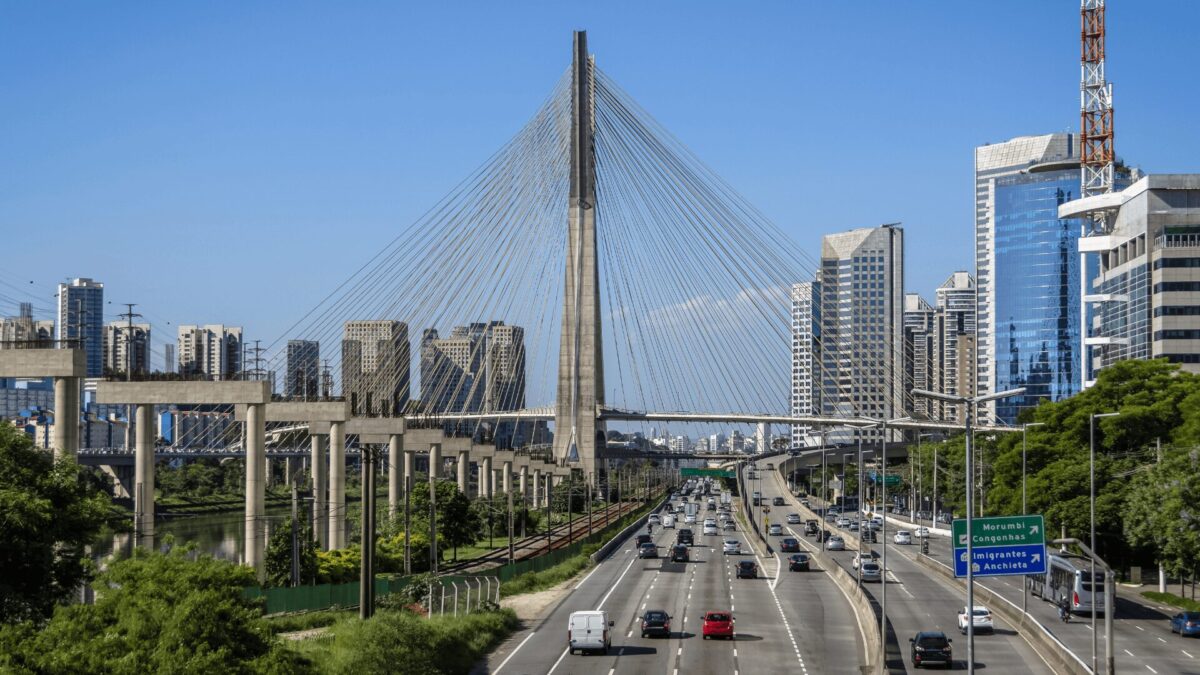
[(589, 630), (668, 521)]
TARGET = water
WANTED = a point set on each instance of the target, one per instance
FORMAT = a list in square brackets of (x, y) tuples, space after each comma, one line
[(218, 534)]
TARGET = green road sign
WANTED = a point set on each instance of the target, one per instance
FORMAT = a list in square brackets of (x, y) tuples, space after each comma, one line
[(1001, 531), (715, 473)]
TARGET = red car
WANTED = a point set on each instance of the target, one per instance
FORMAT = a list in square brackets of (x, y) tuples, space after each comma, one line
[(717, 624)]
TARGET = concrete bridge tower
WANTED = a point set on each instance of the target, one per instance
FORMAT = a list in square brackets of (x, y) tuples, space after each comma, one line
[(577, 431)]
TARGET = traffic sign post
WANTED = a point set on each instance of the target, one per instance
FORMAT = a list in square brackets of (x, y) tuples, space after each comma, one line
[(1001, 546), (715, 473)]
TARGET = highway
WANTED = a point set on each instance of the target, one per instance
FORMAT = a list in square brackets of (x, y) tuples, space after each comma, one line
[(1143, 639), (916, 600), (797, 622)]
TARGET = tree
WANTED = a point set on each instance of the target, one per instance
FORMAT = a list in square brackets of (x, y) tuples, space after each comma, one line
[(1160, 513), (457, 523), (279, 554), (50, 514), (156, 612)]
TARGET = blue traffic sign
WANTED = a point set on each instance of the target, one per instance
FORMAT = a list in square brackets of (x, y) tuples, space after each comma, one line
[(995, 561), (1005, 545)]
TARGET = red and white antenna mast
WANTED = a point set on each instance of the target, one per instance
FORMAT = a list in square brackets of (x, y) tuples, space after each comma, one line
[(1095, 104)]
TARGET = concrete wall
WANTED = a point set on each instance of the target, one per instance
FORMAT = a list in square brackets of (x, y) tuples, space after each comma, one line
[(200, 392), (43, 363)]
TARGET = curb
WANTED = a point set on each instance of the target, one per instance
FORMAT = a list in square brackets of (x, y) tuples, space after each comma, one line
[(619, 538)]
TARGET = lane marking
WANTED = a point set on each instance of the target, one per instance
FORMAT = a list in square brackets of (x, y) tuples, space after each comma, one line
[(1159, 639), (1126, 650), (1151, 669), (561, 656), (1139, 628), (514, 652), (1187, 654)]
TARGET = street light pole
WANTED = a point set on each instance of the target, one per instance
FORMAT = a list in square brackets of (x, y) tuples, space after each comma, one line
[(1092, 536), (1024, 509), (971, 403)]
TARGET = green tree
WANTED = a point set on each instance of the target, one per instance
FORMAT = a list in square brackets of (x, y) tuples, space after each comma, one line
[(50, 513), (155, 612), (1161, 515), (279, 554), (457, 522)]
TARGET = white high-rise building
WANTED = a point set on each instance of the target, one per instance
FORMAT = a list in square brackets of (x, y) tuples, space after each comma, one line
[(919, 349), (126, 347), (213, 351), (955, 328), (805, 364), (861, 340)]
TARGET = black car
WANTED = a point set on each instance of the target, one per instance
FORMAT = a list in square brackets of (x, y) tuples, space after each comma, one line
[(810, 527), (747, 569), (711, 507), (789, 545), (648, 550), (798, 562), (656, 622), (778, 501), (643, 539), (931, 647), (868, 535), (684, 536), (679, 553)]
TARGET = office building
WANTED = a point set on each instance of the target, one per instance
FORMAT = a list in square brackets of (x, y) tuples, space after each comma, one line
[(81, 318), (126, 347), (303, 370), (22, 332), (861, 322), (806, 334), (212, 351), (479, 367), (954, 343), (168, 358), (1146, 295), (375, 366), (919, 371)]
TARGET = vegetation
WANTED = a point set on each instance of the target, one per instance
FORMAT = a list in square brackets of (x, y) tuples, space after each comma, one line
[(155, 612), (50, 513), (278, 560), (403, 642), (1173, 600), (290, 623), (531, 582)]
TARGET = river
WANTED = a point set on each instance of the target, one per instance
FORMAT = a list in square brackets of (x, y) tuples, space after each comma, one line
[(217, 534)]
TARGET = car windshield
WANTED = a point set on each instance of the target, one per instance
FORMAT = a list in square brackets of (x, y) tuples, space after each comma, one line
[(746, 564), (934, 642), (656, 616), (648, 545), (717, 616)]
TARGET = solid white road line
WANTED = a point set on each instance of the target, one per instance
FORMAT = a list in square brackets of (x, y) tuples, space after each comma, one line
[(514, 652)]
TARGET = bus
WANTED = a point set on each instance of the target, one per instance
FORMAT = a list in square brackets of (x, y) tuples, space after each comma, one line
[(1069, 575)]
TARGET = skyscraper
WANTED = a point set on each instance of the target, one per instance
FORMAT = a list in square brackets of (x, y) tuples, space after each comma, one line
[(213, 351), (81, 317), (168, 358), (375, 366), (1027, 271), (919, 371), (806, 335), (954, 342), (22, 331), (480, 367), (303, 369), (126, 347), (862, 321)]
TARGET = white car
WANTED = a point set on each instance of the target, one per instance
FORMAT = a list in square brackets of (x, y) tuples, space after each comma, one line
[(842, 522), (871, 571), (668, 522), (922, 532), (775, 530), (690, 519), (903, 537), (654, 518), (729, 525), (793, 519), (710, 530), (732, 546), (835, 543), (982, 620)]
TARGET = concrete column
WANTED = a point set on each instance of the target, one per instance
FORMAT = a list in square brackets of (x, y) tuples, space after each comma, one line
[(524, 485), (319, 486), (74, 409), (537, 488), (60, 439), (464, 472), (485, 477), (435, 461), (410, 469), (495, 478), (395, 473), (256, 484), (288, 467), (337, 485), (143, 480), (506, 478)]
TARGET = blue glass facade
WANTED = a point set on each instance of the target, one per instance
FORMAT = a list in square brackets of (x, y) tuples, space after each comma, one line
[(1037, 295)]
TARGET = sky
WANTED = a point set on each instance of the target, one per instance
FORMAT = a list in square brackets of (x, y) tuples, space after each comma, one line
[(232, 162)]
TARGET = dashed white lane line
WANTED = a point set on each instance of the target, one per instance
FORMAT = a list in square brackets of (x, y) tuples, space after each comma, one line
[(1187, 654), (679, 652), (613, 670), (1159, 639), (630, 633), (1139, 628), (1128, 652), (603, 600), (1151, 669)]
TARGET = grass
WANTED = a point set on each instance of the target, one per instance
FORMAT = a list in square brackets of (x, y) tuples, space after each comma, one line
[(1173, 600), (401, 642), (532, 582), (290, 623)]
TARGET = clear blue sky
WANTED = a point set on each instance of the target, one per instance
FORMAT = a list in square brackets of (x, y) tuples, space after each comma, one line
[(231, 162)]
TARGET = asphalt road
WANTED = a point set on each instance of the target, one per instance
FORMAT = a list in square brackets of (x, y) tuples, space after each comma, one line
[(916, 601), (797, 622), (1143, 642)]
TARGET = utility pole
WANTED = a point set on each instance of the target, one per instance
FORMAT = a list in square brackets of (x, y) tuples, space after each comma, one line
[(295, 540), (408, 485), (511, 556), (432, 517), (588, 493), (128, 316), (366, 574)]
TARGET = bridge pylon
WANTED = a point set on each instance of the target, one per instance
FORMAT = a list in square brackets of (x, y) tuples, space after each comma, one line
[(577, 430)]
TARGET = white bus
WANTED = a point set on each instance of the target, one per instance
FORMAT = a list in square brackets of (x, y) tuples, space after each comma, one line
[(1069, 575)]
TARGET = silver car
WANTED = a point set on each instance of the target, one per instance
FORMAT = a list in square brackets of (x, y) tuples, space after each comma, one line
[(871, 571), (732, 546), (835, 543)]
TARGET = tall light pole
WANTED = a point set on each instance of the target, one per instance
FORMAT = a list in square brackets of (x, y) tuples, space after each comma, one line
[(1024, 508), (921, 476), (1108, 605), (971, 403)]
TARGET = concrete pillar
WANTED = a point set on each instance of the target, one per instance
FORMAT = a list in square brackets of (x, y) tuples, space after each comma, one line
[(464, 472), (288, 468), (435, 461), (122, 476), (410, 469), (395, 473), (256, 484), (537, 488), (495, 478), (337, 485), (75, 410), (523, 485), (506, 478), (485, 477), (60, 439), (319, 486), (143, 463)]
